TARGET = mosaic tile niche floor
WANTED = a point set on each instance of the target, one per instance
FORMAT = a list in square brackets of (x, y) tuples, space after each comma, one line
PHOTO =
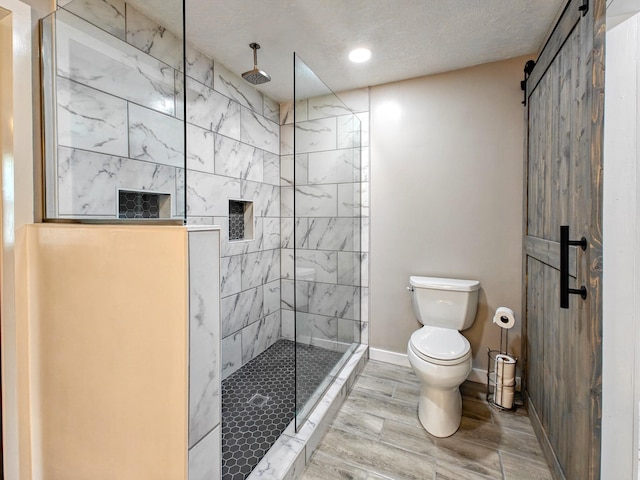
[(258, 401)]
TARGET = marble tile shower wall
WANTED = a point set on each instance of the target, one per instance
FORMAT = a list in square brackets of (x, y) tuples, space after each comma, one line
[(232, 152), (331, 191)]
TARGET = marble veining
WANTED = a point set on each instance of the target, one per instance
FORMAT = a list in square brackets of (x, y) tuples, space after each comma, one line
[(271, 232), (90, 56), (348, 132), (260, 267), (200, 149), (155, 137), (109, 15), (316, 135), (334, 234), (259, 336), (324, 264), (312, 326), (256, 130), (204, 336), (266, 198), (316, 200), (327, 106), (154, 39), (199, 66), (271, 297), (271, 168), (271, 110), (336, 166), (237, 89), (238, 160), (88, 182), (207, 194), (349, 271), (349, 199), (334, 300), (212, 110), (91, 120), (230, 269), (241, 309), (231, 353)]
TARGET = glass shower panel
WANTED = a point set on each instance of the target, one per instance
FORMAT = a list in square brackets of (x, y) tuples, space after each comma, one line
[(113, 111), (327, 218)]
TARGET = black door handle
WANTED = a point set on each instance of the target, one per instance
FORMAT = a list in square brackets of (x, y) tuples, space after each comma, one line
[(564, 267)]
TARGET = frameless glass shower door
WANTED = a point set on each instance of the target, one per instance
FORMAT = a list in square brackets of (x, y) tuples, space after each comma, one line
[(327, 235)]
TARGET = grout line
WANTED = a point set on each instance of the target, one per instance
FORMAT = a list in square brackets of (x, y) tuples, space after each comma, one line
[(501, 464)]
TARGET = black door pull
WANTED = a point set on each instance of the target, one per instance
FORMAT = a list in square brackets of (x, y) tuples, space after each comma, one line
[(564, 267)]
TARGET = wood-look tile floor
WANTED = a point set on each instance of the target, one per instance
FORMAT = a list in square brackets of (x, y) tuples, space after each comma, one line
[(377, 435)]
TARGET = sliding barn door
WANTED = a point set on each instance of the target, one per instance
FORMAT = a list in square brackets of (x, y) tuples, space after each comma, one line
[(563, 178)]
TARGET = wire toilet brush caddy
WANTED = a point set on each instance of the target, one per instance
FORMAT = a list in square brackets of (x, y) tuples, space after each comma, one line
[(501, 371)]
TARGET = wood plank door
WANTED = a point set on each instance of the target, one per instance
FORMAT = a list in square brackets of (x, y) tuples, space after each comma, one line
[(563, 185)]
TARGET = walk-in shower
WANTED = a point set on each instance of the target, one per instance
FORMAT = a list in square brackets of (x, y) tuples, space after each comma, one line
[(141, 125)]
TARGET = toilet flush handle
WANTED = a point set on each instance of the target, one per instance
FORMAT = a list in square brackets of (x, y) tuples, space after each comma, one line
[(410, 289)]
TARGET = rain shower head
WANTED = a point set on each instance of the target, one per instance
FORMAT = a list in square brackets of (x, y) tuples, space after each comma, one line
[(256, 76)]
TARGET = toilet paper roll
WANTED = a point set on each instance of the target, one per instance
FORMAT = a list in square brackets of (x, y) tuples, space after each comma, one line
[(504, 396), (505, 370), (504, 317)]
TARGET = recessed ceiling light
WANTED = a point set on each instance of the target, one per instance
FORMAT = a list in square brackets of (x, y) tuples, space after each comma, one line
[(360, 55)]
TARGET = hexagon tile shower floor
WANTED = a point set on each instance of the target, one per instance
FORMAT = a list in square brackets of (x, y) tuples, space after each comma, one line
[(258, 401)]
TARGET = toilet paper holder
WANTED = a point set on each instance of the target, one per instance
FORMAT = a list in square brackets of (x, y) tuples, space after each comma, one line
[(501, 375)]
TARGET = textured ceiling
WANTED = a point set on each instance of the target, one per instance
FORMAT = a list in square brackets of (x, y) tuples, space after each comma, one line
[(408, 38)]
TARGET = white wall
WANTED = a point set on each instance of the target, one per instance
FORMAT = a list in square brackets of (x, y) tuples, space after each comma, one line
[(446, 196), (621, 237)]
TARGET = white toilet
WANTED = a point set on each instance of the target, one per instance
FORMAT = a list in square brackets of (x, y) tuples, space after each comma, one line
[(439, 354)]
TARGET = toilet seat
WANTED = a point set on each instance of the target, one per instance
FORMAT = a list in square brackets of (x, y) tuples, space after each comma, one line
[(442, 346)]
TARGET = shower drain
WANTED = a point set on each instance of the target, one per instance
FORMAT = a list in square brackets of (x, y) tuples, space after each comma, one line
[(258, 400)]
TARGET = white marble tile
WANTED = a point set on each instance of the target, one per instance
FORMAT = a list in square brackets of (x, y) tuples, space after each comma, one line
[(265, 198), (323, 263), (286, 170), (91, 120), (286, 232), (365, 199), (155, 137), (341, 234), (271, 110), (335, 166), (364, 333), (349, 132), (271, 232), (334, 300), (301, 169), (287, 263), (211, 110), (283, 456), (348, 331), (286, 201), (349, 272), (236, 88), (258, 131), (302, 232), (260, 267), (287, 324), (154, 39), (205, 458), (301, 111), (242, 247), (364, 269), (240, 310), (311, 327), (286, 140), (316, 135), (200, 149), (204, 335), (316, 200), (364, 304), (286, 113), (231, 354), (271, 168), (208, 195), (179, 94), (271, 297), (238, 160), (105, 14), (286, 294), (259, 336), (349, 199), (200, 221), (199, 66), (88, 182), (230, 269), (365, 234), (90, 56), (177, 203), (326, 106)]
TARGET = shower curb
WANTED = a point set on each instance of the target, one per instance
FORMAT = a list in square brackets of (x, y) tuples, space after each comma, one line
[(288, 457)]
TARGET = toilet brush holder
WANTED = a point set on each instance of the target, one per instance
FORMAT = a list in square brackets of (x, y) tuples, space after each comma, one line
[(501, 375)]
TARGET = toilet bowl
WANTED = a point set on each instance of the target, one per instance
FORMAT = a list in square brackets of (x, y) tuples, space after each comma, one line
[(438, 353)]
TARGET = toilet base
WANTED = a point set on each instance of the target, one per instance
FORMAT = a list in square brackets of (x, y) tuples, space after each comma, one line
[(440, 411)]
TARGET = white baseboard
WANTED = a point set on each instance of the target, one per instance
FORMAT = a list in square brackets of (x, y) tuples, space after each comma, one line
[(477, 375), (386, 356)]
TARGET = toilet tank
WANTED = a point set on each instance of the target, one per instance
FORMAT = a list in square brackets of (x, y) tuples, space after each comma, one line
[(445, 302)]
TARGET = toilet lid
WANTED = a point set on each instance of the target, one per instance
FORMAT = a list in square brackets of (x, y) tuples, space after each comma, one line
[(440, 345)]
